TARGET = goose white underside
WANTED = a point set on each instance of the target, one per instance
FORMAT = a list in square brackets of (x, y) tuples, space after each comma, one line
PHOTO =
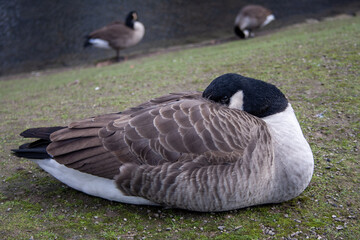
[(99, 43), (246, 33), (89, 184)]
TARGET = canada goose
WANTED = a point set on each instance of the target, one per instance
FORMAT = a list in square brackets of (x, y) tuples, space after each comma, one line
[(118, 35), (251, 17), (235, 145)]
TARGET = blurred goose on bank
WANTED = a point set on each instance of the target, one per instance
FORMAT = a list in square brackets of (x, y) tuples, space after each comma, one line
[(237, 144), (118, 35), (252, 17)]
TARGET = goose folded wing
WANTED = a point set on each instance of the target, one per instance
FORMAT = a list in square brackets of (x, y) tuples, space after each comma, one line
[(178, 131), (190, 149), (79, 146), (112, 32), (170, 151)]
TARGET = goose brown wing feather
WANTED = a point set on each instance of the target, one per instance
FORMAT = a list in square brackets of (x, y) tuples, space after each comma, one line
[(112, 33), (205, 182), (169, 129), (257, 12), (163, 100), (255, 15), (78, 146), (167, 132)]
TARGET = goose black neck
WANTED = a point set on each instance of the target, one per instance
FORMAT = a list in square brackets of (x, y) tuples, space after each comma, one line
[(130, 20)]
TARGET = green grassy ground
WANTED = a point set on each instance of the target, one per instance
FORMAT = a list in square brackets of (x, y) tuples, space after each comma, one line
[(316, 65)]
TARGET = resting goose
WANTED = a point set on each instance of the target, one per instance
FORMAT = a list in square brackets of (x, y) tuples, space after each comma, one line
[(235, 145), (251, 17), (117, 35)]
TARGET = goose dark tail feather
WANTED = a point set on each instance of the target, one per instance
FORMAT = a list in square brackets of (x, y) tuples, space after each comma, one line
[(36, 149), (87, 42)]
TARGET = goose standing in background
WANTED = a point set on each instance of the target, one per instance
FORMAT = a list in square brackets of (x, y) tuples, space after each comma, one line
[(235, 145), (251, 17), (118, 35)]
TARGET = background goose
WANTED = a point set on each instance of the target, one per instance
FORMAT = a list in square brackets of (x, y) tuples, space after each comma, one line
[(251, 17), (237, 144), (118, 35)]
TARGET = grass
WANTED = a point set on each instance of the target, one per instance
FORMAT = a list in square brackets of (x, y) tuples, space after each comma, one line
[(316, 65)]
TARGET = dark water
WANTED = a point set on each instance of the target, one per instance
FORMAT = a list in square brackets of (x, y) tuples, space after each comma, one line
[(37, 34)]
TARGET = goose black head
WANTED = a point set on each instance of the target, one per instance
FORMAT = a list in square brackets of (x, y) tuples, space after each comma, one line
[(131, 18), (254, 96)]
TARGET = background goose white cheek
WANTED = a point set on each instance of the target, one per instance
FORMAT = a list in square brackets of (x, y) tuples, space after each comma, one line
[(237, 100)]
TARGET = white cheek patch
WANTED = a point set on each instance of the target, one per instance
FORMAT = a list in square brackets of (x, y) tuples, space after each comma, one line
[(237, 100)]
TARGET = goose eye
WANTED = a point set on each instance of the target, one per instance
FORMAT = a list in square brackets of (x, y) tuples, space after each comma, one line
[(224, 100)]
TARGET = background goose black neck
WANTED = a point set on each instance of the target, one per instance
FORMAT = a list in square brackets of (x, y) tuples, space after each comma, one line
[(130, 19)]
